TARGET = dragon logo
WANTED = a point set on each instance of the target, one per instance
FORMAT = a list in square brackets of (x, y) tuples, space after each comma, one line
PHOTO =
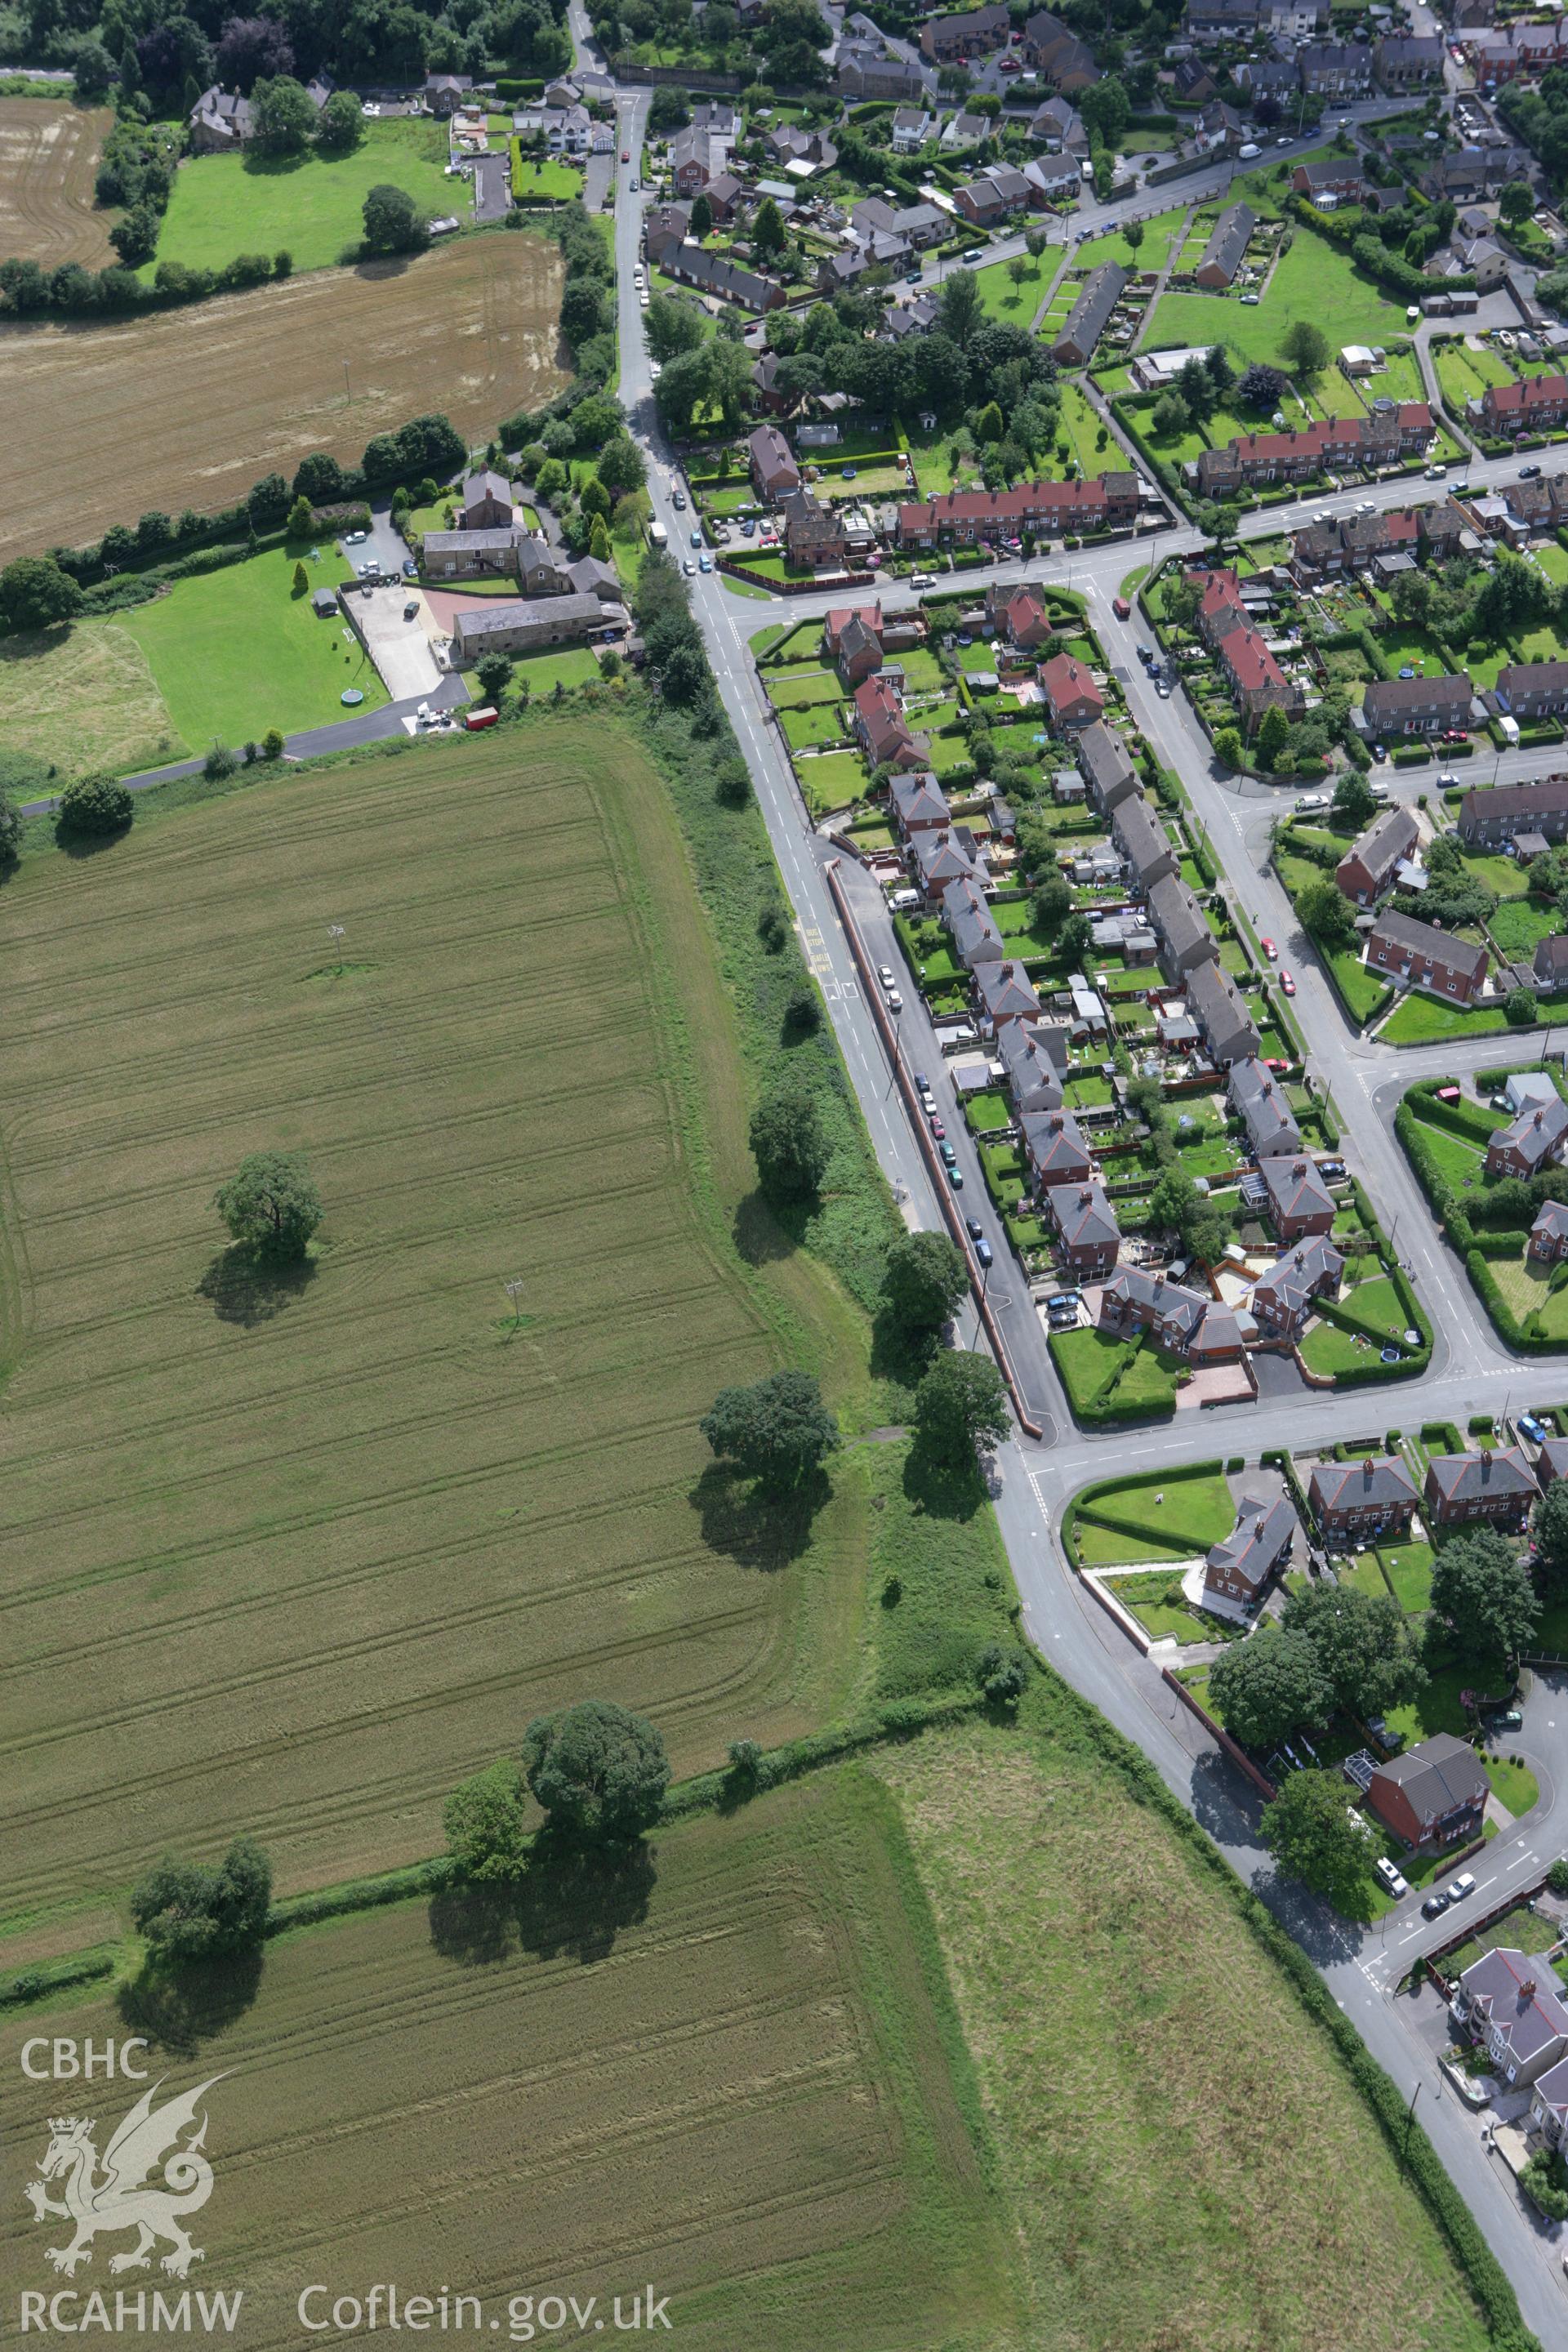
[(116, 2198)]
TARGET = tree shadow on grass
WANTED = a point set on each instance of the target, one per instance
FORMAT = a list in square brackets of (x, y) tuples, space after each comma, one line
[(87, 845), (899, 1354), (763, 1233), (182, 2006), (249, 1289), (940, 1488), (572, 1903), (753, 1525)]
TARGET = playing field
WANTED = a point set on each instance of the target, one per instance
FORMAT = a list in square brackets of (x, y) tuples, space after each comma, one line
[(312, 205), (244, 385), (48, 158), (298, 1557)]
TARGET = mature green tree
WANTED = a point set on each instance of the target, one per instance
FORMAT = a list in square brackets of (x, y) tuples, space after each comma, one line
[(1273, 735), (1309, 1830), (961, 1404), (620, 465), (285, 118), (302, 521), (1003, 1674), (768, 230), (1306, 347), (1053, 904), (1327, 913), (10, 830), (789, 1143), (1353, 806), (1520, 1008), (672, 327), (1363, 1643), (1262, 386), (1270, 1686), (1074, 942), (494, 675), (270, 1204), (394, 221), (1105, 108), (960, 307), (1481, 1592), (135, 237), (190, 1911), (777, 1430), (598, 1771), (340, 125), (35, 593), (925, 1279), (484, 1819), (1227, 747), (95, 806), (1133, 235), (1516, 200), (701, 216), (1550, 1530), (1169, 417)]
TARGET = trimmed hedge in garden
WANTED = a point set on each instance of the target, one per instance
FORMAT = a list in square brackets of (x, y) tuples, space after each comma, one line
[(1459, 1232)]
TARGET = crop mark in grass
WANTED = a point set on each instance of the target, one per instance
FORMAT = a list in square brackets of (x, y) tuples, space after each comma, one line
[(325, 974)]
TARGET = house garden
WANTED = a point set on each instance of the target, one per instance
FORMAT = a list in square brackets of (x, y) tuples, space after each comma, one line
[(1444, 1131)]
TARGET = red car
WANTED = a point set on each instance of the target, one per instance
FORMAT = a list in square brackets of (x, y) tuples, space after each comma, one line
[(938, 1130), (1121, 607), (1287, 984), (1269, 950), (1278, 1067)]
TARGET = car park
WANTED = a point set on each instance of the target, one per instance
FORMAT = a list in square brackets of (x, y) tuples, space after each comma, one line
[(1394, 1879)]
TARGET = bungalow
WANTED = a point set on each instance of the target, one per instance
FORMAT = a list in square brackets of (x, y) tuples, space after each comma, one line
[(1537, 405), (975, 938), (1496, 814), (1143, 841), (1261, 1104), (1417, 706), (1530, 1143), (1089, 315), (1088, 1236), (1003, 994), (1549, 1234), (712, 273), (1071, 694), (1239, 1567), (1185, 937), (1351, 1500), (993, 195), (1282, 1299), (1433, 1795), (1185, 1322), (1367, 868), (1537, 689), (1106, 765), (1218, 1007), (1036, 1061), (1416, 955), (1226, 249), (880, 729), (1299, 1200), (919, 804), (1055, 1148), (970, 34), (1497, 1485), (774, 471)]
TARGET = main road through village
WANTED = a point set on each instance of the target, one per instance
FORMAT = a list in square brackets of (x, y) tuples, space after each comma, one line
[(1469, 1371)]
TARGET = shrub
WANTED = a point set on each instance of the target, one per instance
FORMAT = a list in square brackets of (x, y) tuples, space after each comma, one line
[(95, 807)]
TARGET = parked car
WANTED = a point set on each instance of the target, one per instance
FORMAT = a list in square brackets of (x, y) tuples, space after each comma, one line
[(956, 1178), (973, 1228), (1269, 950), (984, 1253), (1435, 1906), (410, 569), (1512, 1719), (697, 539), (1536, 1431), (1163, 689), (938, 1129), (1250, 302), (1457, 1888), (895, 1001), (912, 276), (1311, 799), (949, 1154), (885, 974), (1394, 1880), (1287, 984), (411, 610)]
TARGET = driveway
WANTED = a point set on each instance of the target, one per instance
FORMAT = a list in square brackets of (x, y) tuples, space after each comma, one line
[(403, 649), (492, 187)]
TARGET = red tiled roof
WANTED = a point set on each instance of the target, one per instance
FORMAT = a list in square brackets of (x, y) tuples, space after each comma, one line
[(1066, 681), (1249, 661)]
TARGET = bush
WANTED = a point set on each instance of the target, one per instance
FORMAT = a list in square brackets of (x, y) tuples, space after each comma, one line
[(189, 1911), (95, 807)]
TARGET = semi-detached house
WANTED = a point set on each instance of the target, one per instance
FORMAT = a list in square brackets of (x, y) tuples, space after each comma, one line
[(1142, 838), (1224, 1024), (1367, 868), (1416, 706), (1533, 689), (1495, 1484), (1433, 1795), (1417, 955), (1536, 405), (1494, 815), (1256, 679), (1334, 443), (1106, 767), (1352, 1500)]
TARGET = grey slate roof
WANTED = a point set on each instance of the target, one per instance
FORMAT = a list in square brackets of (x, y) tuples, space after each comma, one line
[(1105, 763), (919, 798), (1005, 992), (1232, 232), (1293, 1278), (1536, 1133), (1387, 839), (1379, 1479), (1142, 839), (1090, 314), (1034, 1071), (1513, 1991), (1294, 1187), (1082, 1215), (1055, 1143), (1220, 1010), (1260, 1100), (1467, 1477), (1263, 1532), (1179, 919), (1425, 941)]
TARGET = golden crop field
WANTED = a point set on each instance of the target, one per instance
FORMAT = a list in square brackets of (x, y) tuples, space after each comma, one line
[(298, 1559), (725, 2072), (49, 161), (247, 385)]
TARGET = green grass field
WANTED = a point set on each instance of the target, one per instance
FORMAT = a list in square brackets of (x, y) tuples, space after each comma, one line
[(235, 652), (84, 697), (1150, 257), (1420, 1020), (1314, 280), (346, 1533), (310, 205), (1134, 2177), (545, 175), (1016, 305)]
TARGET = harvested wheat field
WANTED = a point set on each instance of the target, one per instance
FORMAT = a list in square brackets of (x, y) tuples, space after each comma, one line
[(1192, 2169), (727, 2066), (298, 1557), (244, 385), (49, 161)]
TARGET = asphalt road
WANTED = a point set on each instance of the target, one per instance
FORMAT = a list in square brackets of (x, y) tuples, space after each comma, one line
[(1035, 1481)]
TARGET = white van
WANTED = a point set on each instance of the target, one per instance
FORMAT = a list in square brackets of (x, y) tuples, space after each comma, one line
[(922, 580)]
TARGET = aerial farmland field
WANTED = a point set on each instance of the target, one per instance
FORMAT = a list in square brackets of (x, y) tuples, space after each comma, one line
[(244, 385), (298, 1559), (48, 158)]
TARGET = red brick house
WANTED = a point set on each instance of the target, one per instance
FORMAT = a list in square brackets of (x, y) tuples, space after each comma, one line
[(1331, 445), (1433, 1795), (1240, 1566), (882, 730), (1367, 867), (774, 471), (1053, 509), (1020, 613), (1299, 1201), (1548, 1234), (919, 804), (1073, 698), (1088, 1236), (1354, 1500), (1417, 955), (1256, 679), (1534, 405), (1531, 1143), (1494, 1485)]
